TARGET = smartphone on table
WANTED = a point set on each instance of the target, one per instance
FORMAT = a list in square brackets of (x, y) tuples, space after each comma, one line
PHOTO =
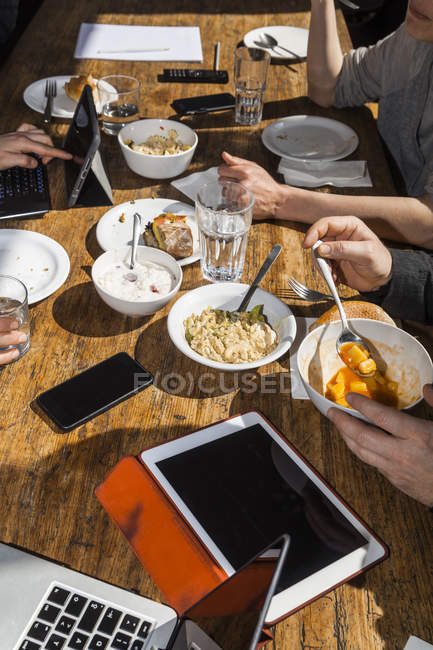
[(203, 104), (94, 391)]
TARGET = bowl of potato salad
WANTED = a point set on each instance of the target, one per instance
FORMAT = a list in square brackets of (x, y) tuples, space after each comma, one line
[(202, 327)]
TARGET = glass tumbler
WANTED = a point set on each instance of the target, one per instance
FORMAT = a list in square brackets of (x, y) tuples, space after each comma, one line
[(250, 73), (14, 306), (119, 100), (224, 211)]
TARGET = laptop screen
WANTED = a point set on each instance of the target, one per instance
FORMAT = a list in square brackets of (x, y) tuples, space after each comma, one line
[(232, 615)]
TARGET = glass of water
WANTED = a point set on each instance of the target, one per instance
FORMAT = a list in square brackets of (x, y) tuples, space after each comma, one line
[(14, 307), (119, 99), (224, 212), (251, 69)]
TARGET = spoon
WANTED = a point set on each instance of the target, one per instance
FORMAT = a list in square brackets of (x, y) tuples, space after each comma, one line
[(266, 40), (276, 250), (346, 336), (349, 4), (136, 230)]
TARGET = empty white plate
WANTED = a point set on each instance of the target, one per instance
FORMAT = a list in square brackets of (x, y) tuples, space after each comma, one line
[(305, 137), (294, 39), (35, 259), (114, 228)]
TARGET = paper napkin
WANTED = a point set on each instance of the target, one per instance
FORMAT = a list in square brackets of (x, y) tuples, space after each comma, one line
[(297, 387), (138, 43), (341, 173), (191, 184)]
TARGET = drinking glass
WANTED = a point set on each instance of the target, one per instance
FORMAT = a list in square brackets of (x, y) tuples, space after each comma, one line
[(119, 99), (250, 72), (14, 306), (224, 212)]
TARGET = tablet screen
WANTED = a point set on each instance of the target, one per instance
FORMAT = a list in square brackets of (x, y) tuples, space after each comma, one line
[(246, 491)]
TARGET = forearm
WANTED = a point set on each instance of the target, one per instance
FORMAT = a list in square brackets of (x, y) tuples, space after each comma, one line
[(324, 57), (402, 219)]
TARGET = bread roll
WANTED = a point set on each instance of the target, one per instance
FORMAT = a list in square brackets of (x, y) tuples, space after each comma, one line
[(354, 309), (74, 87)]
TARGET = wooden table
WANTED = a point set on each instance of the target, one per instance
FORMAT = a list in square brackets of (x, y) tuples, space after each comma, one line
[(47, 478)]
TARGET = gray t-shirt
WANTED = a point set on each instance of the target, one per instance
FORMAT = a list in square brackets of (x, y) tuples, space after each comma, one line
[(397, 71)]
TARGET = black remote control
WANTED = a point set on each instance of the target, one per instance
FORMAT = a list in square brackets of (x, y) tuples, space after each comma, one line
[(194, 76)]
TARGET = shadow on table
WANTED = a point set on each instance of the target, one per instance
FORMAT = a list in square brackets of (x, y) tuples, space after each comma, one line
[(81, 311), (196, 7)]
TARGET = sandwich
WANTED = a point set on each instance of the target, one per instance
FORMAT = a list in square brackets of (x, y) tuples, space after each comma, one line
[(74, 87), (354, 309), (170, 233)]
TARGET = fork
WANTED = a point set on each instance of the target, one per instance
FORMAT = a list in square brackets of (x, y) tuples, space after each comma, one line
[(299, 290), (50, 93)]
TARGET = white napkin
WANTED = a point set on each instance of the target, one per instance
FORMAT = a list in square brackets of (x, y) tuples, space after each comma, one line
[(341, 173), (191, 184), (297, 387)]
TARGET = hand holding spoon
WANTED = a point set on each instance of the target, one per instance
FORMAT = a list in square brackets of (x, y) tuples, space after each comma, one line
[(347, 336)]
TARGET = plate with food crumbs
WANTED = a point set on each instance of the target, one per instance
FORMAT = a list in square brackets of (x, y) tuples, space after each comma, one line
[(165, 224), (40, 262), (309, 138)]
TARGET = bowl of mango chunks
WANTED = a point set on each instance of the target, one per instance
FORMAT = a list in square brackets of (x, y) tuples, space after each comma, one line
[(403, 366)]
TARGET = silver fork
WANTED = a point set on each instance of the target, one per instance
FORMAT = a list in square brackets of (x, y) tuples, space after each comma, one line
[(50, 93), (305, 293)]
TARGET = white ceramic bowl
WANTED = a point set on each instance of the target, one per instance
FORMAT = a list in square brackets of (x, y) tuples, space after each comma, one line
[(228, 295), (408, 363), (144, 254), (152, 166)]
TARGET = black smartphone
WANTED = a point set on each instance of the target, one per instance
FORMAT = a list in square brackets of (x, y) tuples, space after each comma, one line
[(94, 391), (203, 104)]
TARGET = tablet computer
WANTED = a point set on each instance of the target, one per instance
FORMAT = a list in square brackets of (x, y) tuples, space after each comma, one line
[(239, 485), (86, 176)]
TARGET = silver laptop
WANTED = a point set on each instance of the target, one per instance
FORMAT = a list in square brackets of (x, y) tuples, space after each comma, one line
[(46, 606)]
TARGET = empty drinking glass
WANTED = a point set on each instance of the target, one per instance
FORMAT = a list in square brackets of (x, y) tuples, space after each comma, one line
[(250, 72), (119, 99), (14, 306), (224, 212)]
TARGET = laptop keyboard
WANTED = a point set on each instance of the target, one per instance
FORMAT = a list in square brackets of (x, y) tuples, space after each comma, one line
[(21, 182), (67, 618)]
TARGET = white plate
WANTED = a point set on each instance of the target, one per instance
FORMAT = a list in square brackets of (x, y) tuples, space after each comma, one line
[(306, 137), (63, 106), (112, 233), (294, 39), (35, 259)]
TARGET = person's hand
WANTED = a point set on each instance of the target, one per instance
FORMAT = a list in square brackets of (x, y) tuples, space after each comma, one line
[(256, 179), (10, 335), (15, 147), (405, 457), (358, 257)]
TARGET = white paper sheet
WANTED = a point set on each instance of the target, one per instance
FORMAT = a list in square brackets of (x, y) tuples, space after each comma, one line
[(138, 43)]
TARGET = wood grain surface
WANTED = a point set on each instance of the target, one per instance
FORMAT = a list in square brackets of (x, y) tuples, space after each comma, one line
[(47, 478)]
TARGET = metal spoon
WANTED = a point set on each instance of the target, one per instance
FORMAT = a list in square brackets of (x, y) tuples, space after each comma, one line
[(136, 230), (272, 43), (346, 336), (276, 250), (349, 4)]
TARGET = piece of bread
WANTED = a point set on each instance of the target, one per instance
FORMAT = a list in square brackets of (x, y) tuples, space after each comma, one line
[(354, 309), (74, 87), (170, 233)]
